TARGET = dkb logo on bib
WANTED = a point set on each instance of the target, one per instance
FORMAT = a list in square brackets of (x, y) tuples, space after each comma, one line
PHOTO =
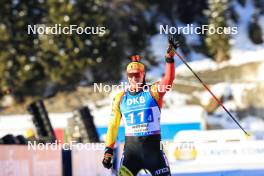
[(136, 100)]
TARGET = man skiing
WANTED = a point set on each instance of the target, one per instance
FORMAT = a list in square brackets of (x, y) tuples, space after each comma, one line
[(140, 106)]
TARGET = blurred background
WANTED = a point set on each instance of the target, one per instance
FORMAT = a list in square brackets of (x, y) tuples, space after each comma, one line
[(47, 83)]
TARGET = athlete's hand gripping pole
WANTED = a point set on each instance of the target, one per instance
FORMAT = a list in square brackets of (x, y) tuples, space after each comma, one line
[(173, 45), (108, 158)]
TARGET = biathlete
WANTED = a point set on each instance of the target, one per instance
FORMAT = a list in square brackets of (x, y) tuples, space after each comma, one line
[(140, 108)]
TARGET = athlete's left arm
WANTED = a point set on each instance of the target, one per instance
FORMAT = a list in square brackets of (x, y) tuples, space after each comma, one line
[(159, 89), (167, 80)]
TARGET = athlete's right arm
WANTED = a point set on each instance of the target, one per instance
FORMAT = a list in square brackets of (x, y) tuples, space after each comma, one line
[(114, 121), (112, 131)]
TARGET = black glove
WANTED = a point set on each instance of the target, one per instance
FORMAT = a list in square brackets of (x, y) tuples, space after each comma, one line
[(174, 43), (108, 155)]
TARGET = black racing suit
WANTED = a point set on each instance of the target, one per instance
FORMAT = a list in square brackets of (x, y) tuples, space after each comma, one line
[(145, 152)]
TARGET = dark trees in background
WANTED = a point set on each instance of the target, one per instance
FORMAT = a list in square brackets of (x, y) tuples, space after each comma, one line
[(34, 64)]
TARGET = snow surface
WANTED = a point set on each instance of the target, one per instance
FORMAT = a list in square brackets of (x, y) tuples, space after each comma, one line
[(238, 57), (237, 90)]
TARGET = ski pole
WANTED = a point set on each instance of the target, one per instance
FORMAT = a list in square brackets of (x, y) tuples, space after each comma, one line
[(174, 46)]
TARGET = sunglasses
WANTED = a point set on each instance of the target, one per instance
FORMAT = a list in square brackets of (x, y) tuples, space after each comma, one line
[(131, 75)]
